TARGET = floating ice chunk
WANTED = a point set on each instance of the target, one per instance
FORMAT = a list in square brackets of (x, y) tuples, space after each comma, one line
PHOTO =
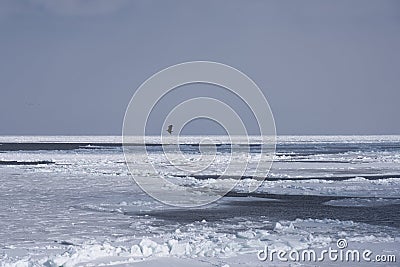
[(136, 251), (179, 249), (201, 248), (148, 246), (362, 202), (281, 227), (148, 243), (147, 251), (246, 234), (278, 226), (161, 250), (254, 243), (357, 179)]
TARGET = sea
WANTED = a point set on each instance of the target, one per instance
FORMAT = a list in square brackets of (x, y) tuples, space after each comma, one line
[(72, 201)]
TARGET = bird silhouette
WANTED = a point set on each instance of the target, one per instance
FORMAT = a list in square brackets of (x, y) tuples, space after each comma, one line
[(169, 130)]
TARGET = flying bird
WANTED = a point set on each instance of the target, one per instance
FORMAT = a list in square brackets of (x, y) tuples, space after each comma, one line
[(169, 130)]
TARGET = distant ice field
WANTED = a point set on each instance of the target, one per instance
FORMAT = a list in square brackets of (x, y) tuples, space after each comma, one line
[(68, 200)]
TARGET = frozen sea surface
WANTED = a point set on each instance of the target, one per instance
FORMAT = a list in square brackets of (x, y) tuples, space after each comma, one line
[(70, 201)]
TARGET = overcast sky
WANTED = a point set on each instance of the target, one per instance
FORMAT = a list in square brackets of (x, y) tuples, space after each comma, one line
[(326, 67)]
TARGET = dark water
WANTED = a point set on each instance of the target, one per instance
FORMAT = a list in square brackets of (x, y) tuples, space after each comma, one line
[(286, 208), (299, 149)]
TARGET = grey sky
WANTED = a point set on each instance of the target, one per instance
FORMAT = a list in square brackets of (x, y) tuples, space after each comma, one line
[(326, 67)]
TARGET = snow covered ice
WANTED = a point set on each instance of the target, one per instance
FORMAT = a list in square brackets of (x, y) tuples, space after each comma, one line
[(70, 201)]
